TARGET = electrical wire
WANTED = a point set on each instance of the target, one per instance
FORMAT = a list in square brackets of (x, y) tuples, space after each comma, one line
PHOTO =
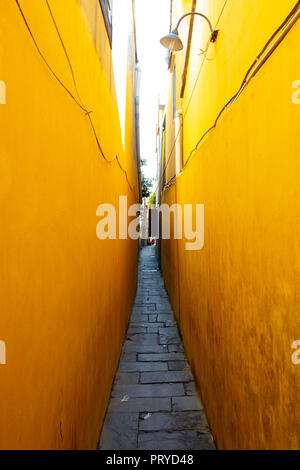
[(78, 102), (259, 61), (44, 59), (204, 54), (132, 187), (64, 48)]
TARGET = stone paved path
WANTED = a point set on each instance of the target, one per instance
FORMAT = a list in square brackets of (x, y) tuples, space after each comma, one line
[(154, 401)]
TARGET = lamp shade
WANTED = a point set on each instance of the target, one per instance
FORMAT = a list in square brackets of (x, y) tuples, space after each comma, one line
[(172, 41)]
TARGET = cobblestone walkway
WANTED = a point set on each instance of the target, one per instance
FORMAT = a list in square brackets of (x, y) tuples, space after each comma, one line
[(154, 402)]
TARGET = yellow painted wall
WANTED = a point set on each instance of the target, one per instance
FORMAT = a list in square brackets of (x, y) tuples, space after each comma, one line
[(65, 296), (237, 298)]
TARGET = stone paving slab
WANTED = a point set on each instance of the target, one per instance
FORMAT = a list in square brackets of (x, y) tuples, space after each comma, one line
[(152, 329), (176, 421), (134, 405), (163, 307), (186, 403), (152, 318), (113, 436), (162, 317), (178, 365), (136, 317), (146, 325), (158, 292), (134, 330), (144, 309), (130, 347), (169, 335), (143, 339), (126, 378), (143, 366), (175, 347), (148, 390), (190, 388), (162, 357), (154, 401), (176, 440), (128, 356), (170, 376)]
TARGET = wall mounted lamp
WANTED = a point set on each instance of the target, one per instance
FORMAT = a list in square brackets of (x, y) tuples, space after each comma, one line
[(172, 40)]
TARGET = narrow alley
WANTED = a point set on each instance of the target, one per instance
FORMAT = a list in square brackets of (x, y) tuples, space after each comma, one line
[(154, 400), (126, 122)]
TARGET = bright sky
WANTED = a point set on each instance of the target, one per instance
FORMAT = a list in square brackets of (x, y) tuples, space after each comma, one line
[(152, 22)]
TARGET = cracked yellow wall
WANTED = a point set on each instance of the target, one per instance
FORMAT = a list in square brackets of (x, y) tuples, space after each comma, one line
[(65, 296), (237, 299)]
